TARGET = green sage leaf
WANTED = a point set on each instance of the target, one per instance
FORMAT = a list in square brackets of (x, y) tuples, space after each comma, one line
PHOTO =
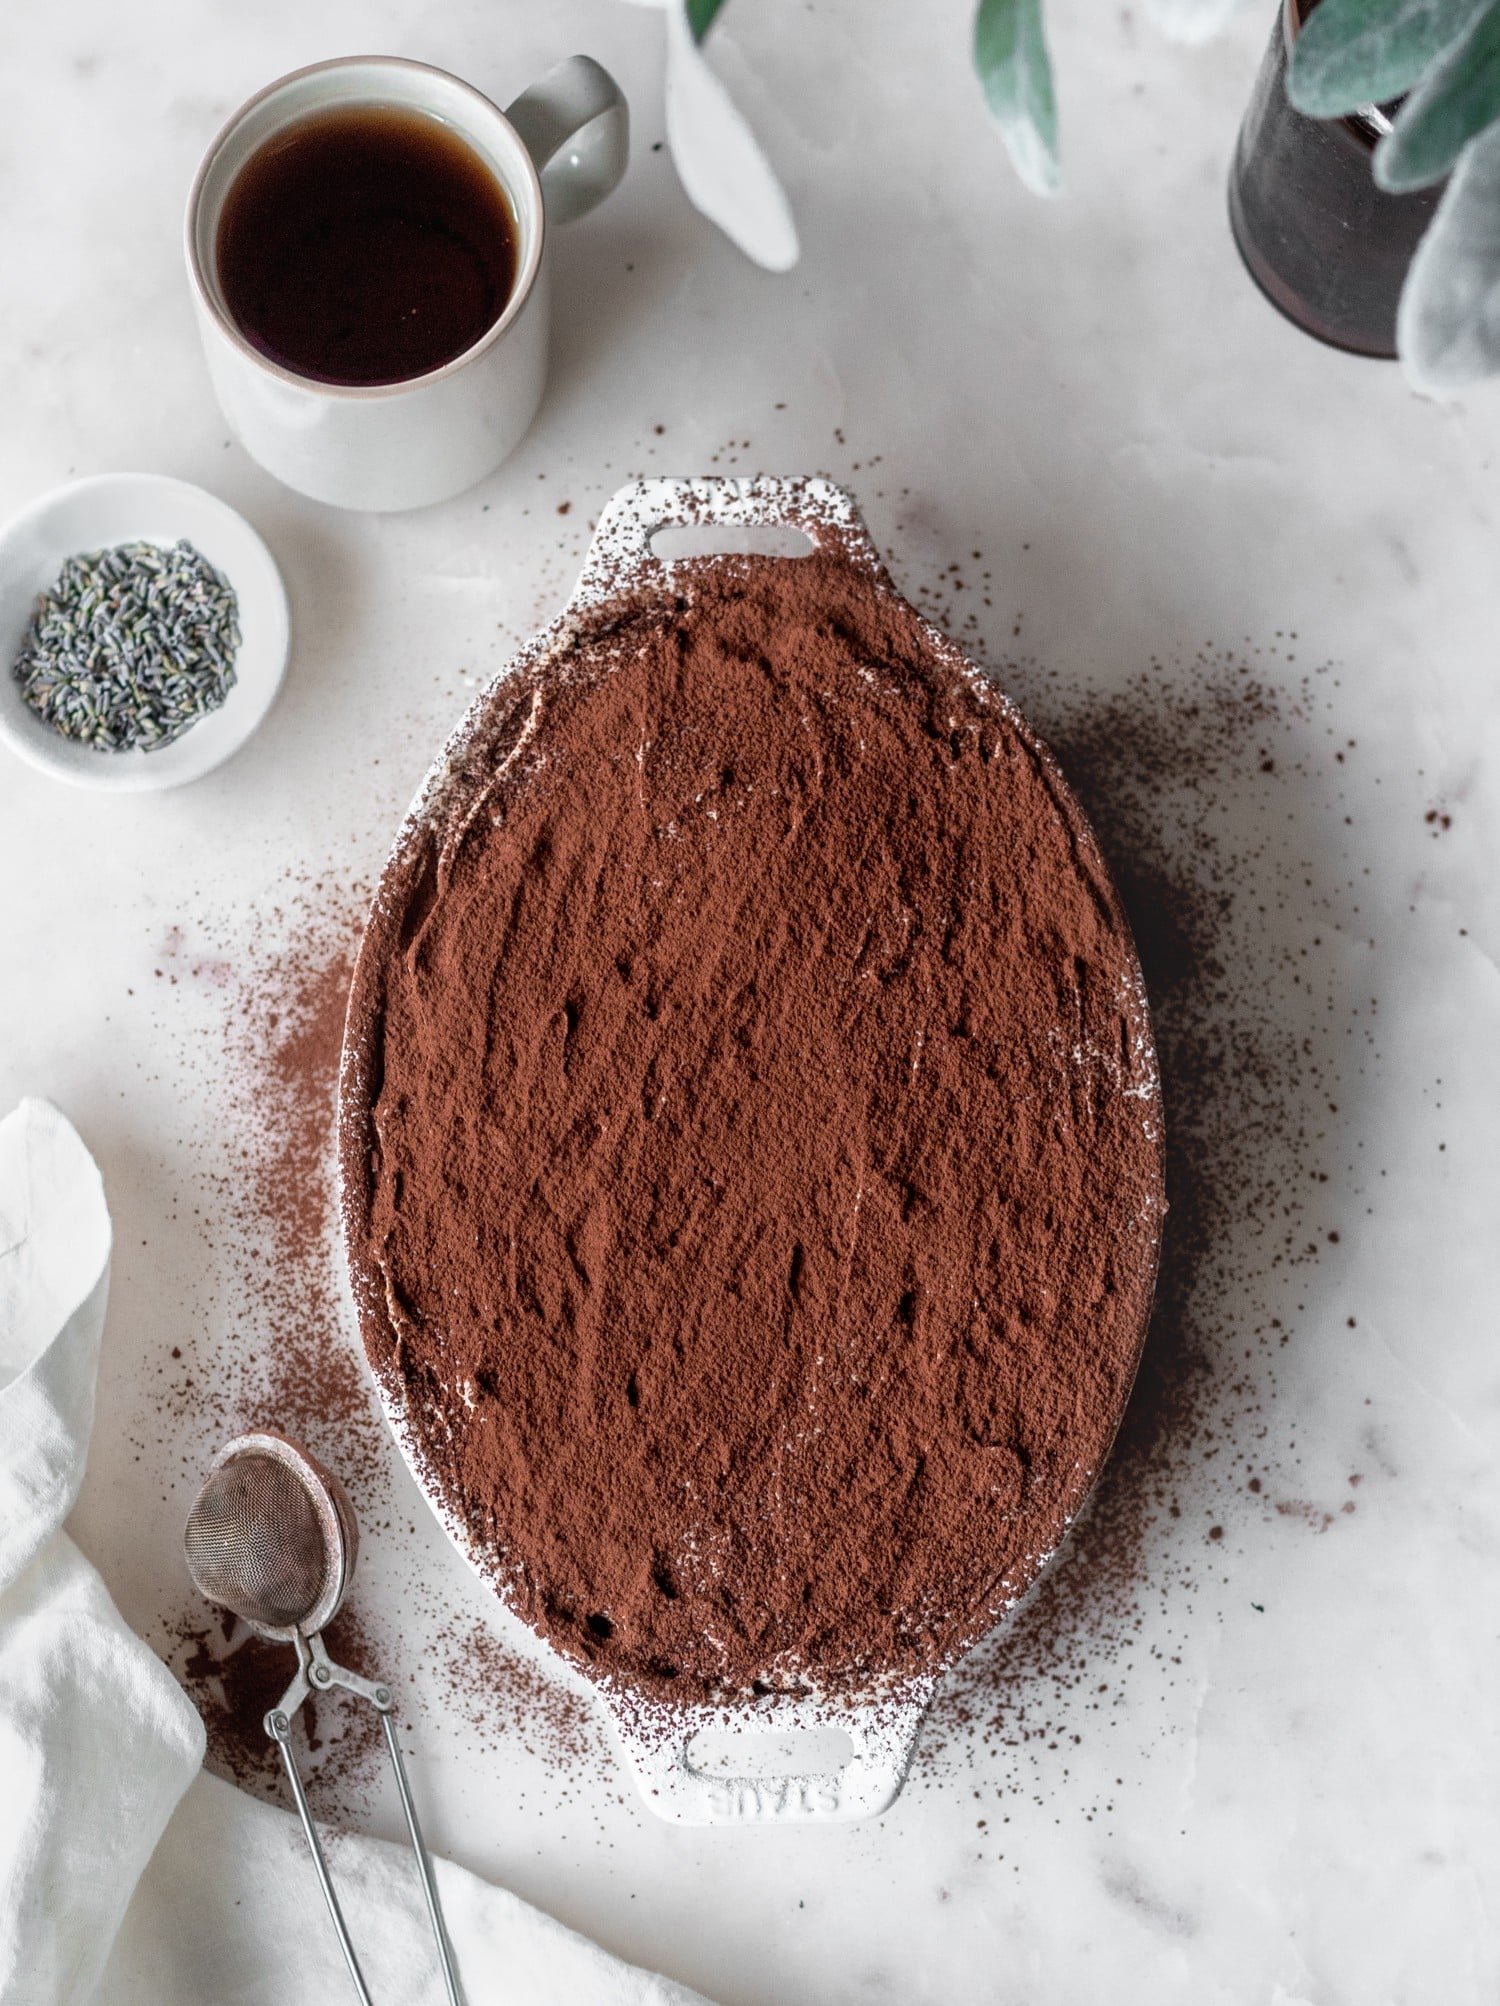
[(700, 15), (1359, 52), (1010, 56), (1448, 327)]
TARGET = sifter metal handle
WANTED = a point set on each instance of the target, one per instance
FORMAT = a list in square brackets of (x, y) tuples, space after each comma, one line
[(316, 1672), (279, 1727)]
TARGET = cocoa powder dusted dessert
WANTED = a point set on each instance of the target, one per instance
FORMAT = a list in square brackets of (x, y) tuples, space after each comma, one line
[(751, 1140)]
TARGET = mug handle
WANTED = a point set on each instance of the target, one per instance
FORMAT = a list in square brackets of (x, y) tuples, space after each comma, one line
[(575, 124)]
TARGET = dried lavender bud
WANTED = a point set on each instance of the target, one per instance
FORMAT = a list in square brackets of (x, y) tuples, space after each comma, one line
[(131, 646)]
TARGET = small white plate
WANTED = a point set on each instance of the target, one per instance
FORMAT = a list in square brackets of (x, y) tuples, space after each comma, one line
[(150, 508)]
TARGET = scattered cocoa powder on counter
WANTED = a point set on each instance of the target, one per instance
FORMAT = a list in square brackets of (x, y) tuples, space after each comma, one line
[(753, 1142), (289, 1358), (235, 1677), (301, 1370), (506, 1699)]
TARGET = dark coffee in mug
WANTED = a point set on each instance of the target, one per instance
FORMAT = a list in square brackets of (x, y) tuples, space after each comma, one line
[(365, 244)]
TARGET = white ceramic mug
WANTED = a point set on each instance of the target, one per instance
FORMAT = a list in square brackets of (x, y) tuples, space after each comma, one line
[(560, 149)]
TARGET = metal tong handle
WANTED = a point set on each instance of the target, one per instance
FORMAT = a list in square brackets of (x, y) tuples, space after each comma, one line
[(316, 1672)]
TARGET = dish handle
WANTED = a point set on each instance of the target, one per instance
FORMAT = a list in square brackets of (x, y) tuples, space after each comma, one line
[(658, 1744), (621, 556)]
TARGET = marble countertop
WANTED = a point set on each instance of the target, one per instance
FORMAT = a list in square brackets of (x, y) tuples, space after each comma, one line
[(1244, 1747)]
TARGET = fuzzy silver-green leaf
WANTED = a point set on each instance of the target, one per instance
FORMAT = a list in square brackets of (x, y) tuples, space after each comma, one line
[(1352, 53), (1454, 103), (1448, 328), (1010, 56)]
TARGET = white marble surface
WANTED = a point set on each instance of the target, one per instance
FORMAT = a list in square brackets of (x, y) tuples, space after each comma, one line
[(1286, 1771)]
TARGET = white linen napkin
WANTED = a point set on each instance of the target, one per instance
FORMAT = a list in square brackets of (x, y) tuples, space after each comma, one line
[(127, 1877), (96, 1741)]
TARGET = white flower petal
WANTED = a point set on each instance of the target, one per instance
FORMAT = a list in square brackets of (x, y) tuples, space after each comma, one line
[(722, 168)]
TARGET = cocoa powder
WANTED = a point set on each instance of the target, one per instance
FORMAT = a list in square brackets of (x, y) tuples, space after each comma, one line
[(234, 1678), (751, 1141)]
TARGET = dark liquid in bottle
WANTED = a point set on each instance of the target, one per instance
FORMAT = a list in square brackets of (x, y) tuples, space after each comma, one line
[(365, 244)]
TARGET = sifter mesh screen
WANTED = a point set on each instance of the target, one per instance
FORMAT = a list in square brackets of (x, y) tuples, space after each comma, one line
[(256, 1544)]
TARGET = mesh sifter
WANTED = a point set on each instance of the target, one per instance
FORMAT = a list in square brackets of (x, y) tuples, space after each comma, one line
[(272, 1536)]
